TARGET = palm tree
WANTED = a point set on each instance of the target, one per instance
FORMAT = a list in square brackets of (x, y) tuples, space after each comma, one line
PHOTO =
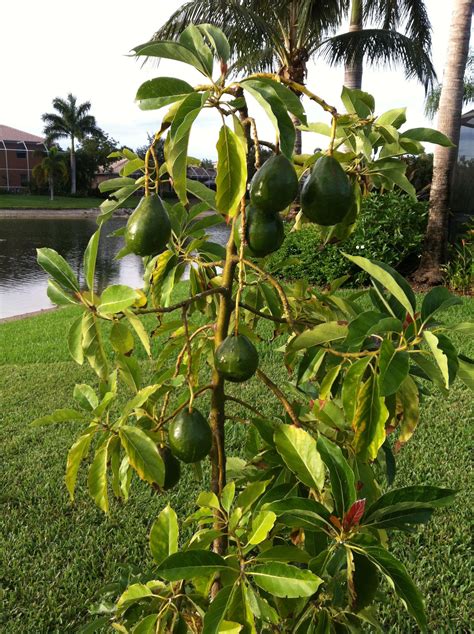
[(449, 122), (51, 169), (433, 97), (283, 35), (70, 121)]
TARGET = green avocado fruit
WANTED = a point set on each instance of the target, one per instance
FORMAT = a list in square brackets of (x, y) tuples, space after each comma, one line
[(236, 358), (275, 184), (148, 228), (264, 231), (172, 468), (190, 437), (327, 195)]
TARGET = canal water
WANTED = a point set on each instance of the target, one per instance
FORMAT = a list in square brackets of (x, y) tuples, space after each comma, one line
[(23, 283)]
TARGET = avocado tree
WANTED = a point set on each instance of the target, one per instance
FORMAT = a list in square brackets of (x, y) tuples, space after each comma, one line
[(294, 538)]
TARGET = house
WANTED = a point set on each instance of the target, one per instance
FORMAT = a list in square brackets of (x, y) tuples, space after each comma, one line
[(19, 153), (466, 141)]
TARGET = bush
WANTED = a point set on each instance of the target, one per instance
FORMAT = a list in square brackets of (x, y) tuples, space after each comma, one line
[(391, 228)]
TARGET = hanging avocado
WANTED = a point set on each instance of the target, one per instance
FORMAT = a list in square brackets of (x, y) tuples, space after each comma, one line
[(327, 195), (148, 228), (172, 468), (236, 358), (275, 184), (190, 436), (264, 231)]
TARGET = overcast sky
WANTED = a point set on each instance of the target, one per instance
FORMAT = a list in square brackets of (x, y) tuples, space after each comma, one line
[(53, 47)]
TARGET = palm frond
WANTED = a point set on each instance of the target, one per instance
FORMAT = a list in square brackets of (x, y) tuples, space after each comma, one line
[(407, 16), (381, 47)]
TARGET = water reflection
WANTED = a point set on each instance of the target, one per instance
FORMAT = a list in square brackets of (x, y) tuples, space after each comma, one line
[(23, 284)]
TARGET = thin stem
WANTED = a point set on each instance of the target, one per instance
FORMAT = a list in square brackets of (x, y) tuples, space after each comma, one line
[(280, 396), (251, 408), (243, 223), (277, 320), (189, 372), (197, 393), (333, 135), (185, 302)]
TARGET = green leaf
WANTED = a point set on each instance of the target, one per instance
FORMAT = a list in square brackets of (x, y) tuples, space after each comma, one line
[(291, 101), (116, 298), (76, 454), (438, 354), (231, 179), (164, 535), (177, 51), (56, 266), (143, 454), (132, 594), (146, 625), (428, 135), (139, 328), (386, 276), (298, 450), (58, 295), (92, 345), (285, 554), (161, 91), (115, 183), (192, 38), (283, 580), (351, 386), (434, 497), (208, 499), (97, 478), (396, 574), (341, 475), (410, 402), (121, 338), (85, 397), (227, 496), (262, 524), (439, 298), (90, 258), (58, 416), (176, 147), (217, 610), (251, 493), (276, 111), (393, 367), (190, 564), (217, 39), (199, 190), (466, 373), (465, 328), (369, 420), (357, 102), (108, 207), (395, 117), (322, 333), (300, 512)]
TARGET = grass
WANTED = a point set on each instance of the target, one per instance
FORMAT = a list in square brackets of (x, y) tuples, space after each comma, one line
[(27, 201), (55, 557)]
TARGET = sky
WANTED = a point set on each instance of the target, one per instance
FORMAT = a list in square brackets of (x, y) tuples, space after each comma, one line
[(51, 48)]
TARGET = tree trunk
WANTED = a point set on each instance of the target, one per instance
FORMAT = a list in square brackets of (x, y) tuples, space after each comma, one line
[(73, 167), (449, 122), (298, 139), (51, 188), (353, 70)]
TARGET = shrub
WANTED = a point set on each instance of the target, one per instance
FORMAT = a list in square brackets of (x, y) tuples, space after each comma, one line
[(390, 228)]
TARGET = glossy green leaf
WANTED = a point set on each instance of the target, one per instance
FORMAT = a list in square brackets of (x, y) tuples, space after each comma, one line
[(250, 494), (395, 117), (116, 298), (395, 573), (76, 454), (284, 580), (115, 183), (466, 373), (90, 259), (56, 266), (146, 625), (369, 420), (434, 497), (357, 101), (410, 403), (351, 386), (97, 477), (216, 612), (193, 39), (276, 111), (58, 295), (231, 172), (388, 278), (134, 593), (322, 333), (300, 512), (161, 91), (439, 298), (171, 50), (299, 452), (341, 475), (142, 454), (286, 554), (393, 368), (227, 496), (139, 328), (199, 190), (288, 97), (121, 338), (164, 535), (438, 354), (217, 39), (58, 416), (190, 564), (208, 499), (428, 135), (92, 345), (85, 396), (465, 328), (110, 205), (262, 524)]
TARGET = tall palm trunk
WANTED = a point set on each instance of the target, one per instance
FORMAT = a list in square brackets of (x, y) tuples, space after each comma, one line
[(51, 187), (449, 122), (353, 70), (73, 167)]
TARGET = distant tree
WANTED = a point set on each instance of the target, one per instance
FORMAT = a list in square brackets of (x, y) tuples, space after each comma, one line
[(92, 156), (207, 163), (433, 97), (141, 150), (51, 170), (71, 121)]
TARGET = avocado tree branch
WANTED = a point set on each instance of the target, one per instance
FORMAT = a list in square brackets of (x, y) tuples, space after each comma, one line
[(197, 393), (280, 396), (184, 303), (239, 401)]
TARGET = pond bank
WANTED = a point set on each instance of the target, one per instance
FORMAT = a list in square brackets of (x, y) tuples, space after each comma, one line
[(30, 214)]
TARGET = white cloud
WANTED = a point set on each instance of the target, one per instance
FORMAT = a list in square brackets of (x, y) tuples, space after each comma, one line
[(50, 48)]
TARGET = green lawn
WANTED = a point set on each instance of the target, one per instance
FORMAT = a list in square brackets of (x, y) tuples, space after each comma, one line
[(55, 557), (21, 201)]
